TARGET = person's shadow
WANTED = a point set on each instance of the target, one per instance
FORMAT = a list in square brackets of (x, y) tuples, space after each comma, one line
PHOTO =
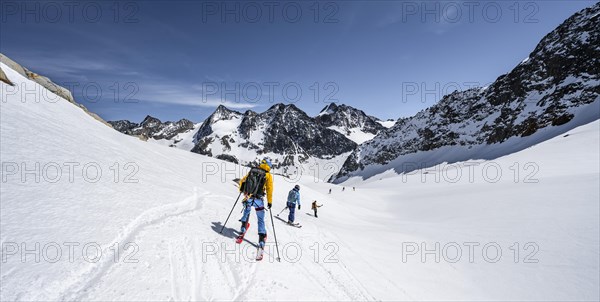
[(228, 232)]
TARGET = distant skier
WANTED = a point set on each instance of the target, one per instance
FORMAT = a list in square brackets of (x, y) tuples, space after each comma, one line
[(255, 185), (329, 190), (343, 189), (292, 200), (353, 189), (314, 208)]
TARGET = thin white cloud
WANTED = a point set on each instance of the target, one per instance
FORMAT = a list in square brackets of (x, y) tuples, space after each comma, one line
[(153, 88), (69, 66), (188, 95), (228, 104)]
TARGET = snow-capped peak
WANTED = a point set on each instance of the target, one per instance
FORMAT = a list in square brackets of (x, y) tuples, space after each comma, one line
[(223, 113), (329, 109), (351, 122)]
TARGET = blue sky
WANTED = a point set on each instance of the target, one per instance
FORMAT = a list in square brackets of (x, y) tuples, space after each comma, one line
[(180, 59)]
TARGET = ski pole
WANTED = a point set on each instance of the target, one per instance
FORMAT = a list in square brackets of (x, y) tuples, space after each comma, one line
[(282, 210), (238, 198), (275, 236)]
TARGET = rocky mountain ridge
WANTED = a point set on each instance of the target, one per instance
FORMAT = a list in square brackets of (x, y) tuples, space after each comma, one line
[(559, 80), (152, 127)]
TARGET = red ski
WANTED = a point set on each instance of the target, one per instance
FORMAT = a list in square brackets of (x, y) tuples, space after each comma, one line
[(240, 238)]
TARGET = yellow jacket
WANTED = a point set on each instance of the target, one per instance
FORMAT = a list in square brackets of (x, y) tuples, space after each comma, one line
[(268, 182)]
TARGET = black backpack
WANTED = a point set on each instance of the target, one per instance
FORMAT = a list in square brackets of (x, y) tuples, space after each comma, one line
[(255, 182)]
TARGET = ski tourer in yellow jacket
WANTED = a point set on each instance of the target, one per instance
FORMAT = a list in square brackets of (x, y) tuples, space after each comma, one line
[(265, 165), (254, 187)]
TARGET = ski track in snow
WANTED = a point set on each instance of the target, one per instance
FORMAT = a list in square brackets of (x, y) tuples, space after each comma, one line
[(73, 288), (193, 277), (189, 272), (332, 277), (342, 279), (363, 291), (191, 280)]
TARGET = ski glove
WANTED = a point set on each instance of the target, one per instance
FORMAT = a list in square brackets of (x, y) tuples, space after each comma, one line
[(298, 207), (269, 205)]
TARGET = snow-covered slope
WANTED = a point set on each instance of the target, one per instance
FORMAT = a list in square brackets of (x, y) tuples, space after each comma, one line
[(356, 135), (388, 123), (170, 204), (539, 207), (556, 89), (167, 203)]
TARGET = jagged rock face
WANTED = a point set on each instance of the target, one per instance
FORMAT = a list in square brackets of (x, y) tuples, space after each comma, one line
[(282, 129), (123, 126), (227, 157), (559, 76), (289, 129), (152, 127), (346, 118), (220, 114), (564, 68), (171, 129), (249, 124)]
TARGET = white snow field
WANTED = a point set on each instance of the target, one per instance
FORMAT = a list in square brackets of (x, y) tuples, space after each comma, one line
[(170, 204), (356, 134)]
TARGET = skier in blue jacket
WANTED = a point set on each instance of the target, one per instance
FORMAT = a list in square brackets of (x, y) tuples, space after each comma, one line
[(292, 200)]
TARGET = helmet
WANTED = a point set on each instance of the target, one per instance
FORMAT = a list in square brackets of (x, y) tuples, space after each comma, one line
[(297, 187), (267, 162)]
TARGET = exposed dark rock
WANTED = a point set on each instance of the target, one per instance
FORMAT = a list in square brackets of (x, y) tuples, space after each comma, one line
[(227, 157), (282, 129), (560, 75), (152, 127), (345, 118)]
